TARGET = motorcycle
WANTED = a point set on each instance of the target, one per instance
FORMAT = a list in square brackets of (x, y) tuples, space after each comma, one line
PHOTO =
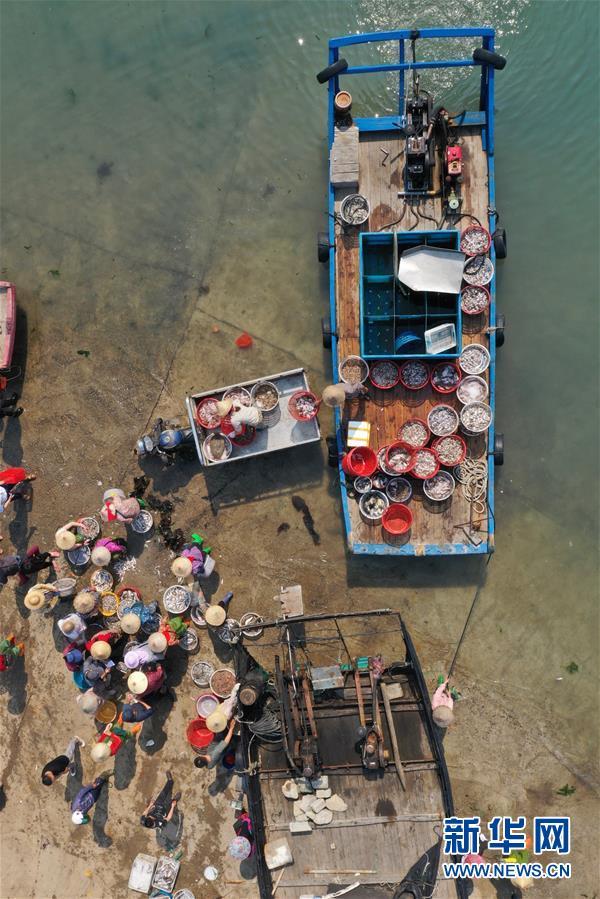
[(166, 442)]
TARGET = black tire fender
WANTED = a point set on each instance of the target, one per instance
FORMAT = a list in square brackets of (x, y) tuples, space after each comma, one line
[(326, 332), (488, 58), (331, 71), (500, 243), (498, 449), (323, 246), (500, 325)]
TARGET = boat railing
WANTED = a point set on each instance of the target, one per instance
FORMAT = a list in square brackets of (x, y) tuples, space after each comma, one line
[(404, 65)]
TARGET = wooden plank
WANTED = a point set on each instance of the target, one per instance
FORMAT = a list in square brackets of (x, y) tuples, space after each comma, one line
[(380, 181)]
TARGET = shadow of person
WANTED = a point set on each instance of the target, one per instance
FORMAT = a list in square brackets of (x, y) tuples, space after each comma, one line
[(169, 836), (125, 764), (248, 868), (223, 651), (154, 737), (223, 777), (74, 781), (176, 664), (14, 682), (100, 818)]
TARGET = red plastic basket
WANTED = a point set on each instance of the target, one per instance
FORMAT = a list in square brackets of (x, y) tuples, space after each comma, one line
[(399, 445), (473, 229), (456, 438), (373, 376), (420, 386), (360, 462)]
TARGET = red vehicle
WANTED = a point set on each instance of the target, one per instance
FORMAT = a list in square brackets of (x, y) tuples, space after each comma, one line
[(8, 315)]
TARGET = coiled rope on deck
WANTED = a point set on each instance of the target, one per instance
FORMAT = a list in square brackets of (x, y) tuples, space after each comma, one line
[(472, 475)]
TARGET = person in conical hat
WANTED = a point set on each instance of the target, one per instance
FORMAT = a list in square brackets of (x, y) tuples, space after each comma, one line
[(85, 602), (100, 752), (215, 616), (65, 539), (216, 721), (181, 567), (101, 650), (334, 396), (137, 683), (224, 407), (157, 642), (130, 623), (101, 556)]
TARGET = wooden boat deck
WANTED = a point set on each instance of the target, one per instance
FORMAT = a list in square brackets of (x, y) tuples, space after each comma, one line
[(380, 179), (385, 829)]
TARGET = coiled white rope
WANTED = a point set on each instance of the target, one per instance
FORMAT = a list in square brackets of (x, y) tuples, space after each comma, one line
[(472, 475)]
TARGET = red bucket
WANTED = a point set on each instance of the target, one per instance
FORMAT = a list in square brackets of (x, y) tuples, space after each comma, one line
[(360, 462), (293, 405), (439, 388), (201, 408), (485, 240), (198, 734), (409, 451), (397, 519)]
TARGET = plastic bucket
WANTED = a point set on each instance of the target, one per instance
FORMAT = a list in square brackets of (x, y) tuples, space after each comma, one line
[(354, 360), (397, 467), (107, 712), (404, 436), (360, 462), (408, 375), (343, 102), (293, 405), (455, 439), (397, 519), (201, 409), (439, 388), (431, 472), (206, 704), (377, 370), (198, 735), (483, 240), (65, 586)]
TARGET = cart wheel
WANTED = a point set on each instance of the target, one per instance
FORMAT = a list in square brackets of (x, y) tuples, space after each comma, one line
[(333, 456), (326, 332), (323, 246), (498, 449), (500, 243), (500, 325)]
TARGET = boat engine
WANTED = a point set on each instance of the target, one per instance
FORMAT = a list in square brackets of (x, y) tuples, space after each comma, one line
[(420, 150)]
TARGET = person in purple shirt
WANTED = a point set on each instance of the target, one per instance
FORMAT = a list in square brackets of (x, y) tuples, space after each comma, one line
[(85, 799)]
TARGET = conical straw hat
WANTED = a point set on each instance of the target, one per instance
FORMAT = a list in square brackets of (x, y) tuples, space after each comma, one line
[(137, 682), (130, 623), (65, 539), (157, 642), (101, 556), (101, 650), (215, 616), (224, 407), (334, 396), (216, 722), (181, 567), (85, 601)]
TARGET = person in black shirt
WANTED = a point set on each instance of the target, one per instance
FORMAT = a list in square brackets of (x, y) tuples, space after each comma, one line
[(59, 765), (159, 811)]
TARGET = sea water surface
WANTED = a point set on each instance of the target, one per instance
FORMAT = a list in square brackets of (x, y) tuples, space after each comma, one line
[(151, 150)]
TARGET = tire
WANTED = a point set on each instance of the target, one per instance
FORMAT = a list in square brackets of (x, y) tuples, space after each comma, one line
[(326, 332), (498, 449), (500, 243), (333, 456), (323, 246), (500, 325), (326, 74)]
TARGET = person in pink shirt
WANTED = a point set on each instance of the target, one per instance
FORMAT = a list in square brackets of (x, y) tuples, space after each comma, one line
[(442, 705), (156, 676)]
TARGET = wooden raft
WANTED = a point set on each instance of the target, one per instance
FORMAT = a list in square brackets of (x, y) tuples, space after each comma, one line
[(380, 180)]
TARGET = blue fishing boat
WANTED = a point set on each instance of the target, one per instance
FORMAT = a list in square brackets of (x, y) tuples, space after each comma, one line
[(412, 247)]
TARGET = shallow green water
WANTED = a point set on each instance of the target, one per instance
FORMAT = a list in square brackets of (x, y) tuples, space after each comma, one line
[(170, 157)]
